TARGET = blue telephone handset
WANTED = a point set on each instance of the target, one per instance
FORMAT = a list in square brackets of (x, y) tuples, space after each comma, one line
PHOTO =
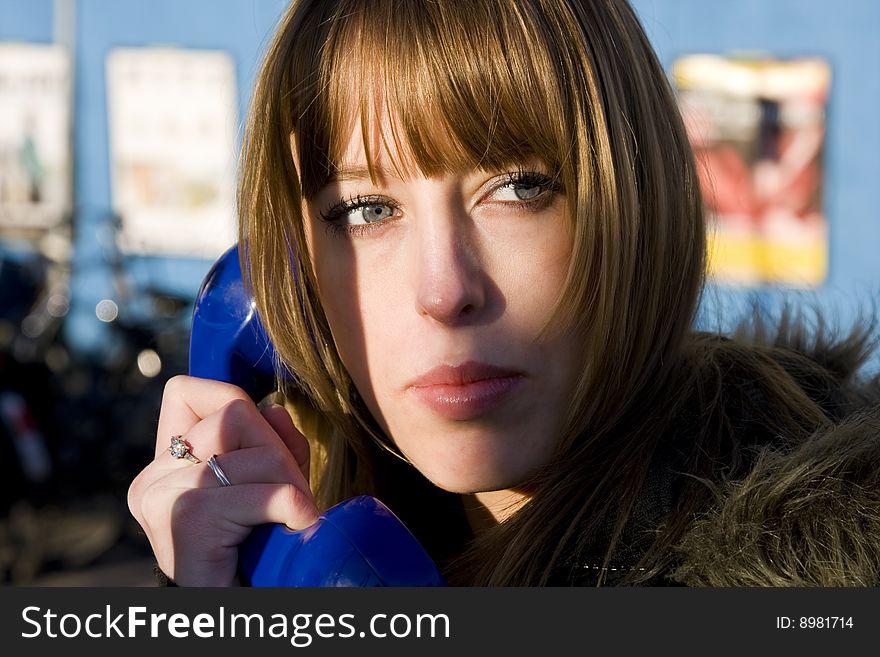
[(358, 542)]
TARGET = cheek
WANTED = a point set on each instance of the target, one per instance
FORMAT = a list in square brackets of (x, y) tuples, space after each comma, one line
[(355, 301), (532, 273), (337, 278)]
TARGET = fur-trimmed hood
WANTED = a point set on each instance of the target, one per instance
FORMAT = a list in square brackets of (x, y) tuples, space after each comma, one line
[(807, 515), (779, 510), (810, 517)]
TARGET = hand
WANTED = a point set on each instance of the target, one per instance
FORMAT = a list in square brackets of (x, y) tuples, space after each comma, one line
[(194, 524)]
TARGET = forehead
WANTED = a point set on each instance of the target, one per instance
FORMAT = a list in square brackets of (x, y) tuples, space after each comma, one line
[(377, 145)]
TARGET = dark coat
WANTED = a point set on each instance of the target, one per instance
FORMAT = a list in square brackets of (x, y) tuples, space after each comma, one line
[(809, 516), (802, 512)]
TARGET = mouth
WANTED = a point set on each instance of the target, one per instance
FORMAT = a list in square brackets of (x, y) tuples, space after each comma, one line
[(466, 391)]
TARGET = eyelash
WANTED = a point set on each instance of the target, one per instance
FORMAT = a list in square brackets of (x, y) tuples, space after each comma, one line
[(527, 179), (335, 212), (523, 178)]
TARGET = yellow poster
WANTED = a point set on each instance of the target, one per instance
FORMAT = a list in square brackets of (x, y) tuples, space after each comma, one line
[(757, 127)]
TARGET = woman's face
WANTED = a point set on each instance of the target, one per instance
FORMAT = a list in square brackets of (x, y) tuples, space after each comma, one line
[(437, 290)]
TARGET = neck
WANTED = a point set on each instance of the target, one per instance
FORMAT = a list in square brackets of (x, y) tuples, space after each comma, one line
[(486, 509)]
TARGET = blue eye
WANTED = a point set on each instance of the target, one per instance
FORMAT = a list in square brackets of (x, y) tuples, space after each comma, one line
[(371, 213), (523, 187), (359, 211), (526, 193)]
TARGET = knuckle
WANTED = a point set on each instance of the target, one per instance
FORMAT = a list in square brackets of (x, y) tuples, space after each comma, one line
[(187, 510), (238, 411), (299, 502), (152, 502), (175, 384), (278, 460), (291, 495), (135, 495), (280, 416), (142, 492)]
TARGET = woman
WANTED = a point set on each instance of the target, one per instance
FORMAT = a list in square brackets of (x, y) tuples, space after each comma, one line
[(475, 235)]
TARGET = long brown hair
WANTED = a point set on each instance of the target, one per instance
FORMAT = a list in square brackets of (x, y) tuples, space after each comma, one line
[(486, 83)]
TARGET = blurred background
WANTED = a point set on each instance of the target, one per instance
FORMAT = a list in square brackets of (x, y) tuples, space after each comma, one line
[(119, 128)]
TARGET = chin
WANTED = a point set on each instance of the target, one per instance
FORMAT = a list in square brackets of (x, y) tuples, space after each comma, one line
[(475, 459), (475, 480)]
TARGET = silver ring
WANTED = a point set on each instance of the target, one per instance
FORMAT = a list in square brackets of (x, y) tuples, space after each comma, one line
[(180, 450), (218, 471)]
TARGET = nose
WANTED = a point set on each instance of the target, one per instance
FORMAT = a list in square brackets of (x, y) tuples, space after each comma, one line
[(451, 280)]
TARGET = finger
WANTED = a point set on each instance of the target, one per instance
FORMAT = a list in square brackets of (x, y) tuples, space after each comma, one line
[(187, 400), (281, 503), (246, 505), (280, 420), (237, 425), (212, 522), (254, 465)]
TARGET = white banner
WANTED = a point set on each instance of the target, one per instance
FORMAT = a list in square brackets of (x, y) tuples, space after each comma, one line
[(35, 151), (172, 115)]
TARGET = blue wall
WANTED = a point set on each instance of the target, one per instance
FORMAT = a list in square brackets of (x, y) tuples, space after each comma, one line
[(843, 31), (26, 20)]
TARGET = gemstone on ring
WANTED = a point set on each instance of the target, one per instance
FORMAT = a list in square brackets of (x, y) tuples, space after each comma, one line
[(180, 449)]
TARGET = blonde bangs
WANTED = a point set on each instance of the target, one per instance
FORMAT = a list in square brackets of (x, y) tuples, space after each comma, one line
[(436, 88)]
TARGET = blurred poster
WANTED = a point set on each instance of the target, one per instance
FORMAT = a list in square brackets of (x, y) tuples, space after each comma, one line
[(35, 151), (172, 115), (757, 127)]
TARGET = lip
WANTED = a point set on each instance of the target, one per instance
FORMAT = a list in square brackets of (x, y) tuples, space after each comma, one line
[(465, 391)]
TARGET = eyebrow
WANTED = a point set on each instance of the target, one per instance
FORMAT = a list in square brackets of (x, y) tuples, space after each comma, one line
[(343, 174)]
